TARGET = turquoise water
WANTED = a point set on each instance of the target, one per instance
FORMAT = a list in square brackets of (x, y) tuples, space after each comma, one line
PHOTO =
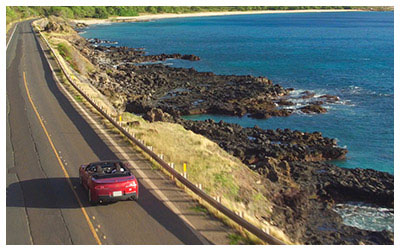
[(346, 54)]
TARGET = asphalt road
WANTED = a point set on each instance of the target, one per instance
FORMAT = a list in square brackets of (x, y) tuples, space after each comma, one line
[(41, 206)]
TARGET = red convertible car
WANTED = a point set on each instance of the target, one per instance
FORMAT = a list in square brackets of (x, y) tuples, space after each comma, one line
[(108, 181)]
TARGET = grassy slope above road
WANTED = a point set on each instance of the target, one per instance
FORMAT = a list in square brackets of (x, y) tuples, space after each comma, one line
[(220, 173)]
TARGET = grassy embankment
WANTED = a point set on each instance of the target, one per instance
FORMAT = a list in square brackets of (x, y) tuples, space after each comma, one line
[(77, 63), (220, 173)]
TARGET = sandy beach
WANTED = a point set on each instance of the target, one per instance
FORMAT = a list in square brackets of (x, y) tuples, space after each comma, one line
[(149, 17)]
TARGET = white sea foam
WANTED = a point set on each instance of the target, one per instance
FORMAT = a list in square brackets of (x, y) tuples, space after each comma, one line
[(365, 216), (357, 90), (295, 97)]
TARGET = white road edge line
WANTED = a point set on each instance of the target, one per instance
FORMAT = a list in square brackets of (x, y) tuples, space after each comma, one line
[(161, 195), (12, 35)]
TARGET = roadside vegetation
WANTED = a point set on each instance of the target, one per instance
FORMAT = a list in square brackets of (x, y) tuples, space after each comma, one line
[(73, 61), (20, 12), (62, 43), (237, 239), (79, 63)]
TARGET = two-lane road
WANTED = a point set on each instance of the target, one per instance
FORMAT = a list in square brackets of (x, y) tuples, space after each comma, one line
[(41, 205)]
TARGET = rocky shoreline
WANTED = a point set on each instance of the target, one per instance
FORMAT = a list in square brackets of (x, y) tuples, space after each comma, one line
[(301, 181), (294, 163), (187, 92)]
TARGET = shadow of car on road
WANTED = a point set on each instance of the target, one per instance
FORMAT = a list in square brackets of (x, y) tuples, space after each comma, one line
[(55, 193)]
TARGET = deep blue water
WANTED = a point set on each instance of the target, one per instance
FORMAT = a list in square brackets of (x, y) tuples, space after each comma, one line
[(346, 54)]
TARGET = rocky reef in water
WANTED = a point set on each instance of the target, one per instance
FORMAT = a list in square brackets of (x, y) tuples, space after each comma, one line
[(306, 187)]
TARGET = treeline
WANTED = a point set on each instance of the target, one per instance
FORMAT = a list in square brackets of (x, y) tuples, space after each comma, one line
[(18, 12)]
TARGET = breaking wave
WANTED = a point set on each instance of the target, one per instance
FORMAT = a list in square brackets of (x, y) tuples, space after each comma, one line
[(365, 216)]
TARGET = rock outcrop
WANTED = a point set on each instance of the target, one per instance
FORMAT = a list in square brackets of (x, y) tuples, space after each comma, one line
[(187, 91)]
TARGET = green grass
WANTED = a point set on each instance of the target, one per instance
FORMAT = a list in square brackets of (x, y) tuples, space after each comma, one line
[(237, 239), (226, 180), (258, 197), (78, 98), (199, 209), (66, 52)]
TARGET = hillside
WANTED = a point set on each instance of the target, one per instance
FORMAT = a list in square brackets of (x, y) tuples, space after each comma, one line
[(19, 12)]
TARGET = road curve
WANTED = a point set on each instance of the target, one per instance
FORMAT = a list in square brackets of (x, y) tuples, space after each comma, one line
[(41, 205)]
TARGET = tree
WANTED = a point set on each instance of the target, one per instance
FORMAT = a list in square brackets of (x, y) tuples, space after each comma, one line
[(100, 12)]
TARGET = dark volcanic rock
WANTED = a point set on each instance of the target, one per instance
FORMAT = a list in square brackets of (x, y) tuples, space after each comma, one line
[(280, 144), (343, 185), (189, 91), (81, 25), (262, 114), (330, 98), (190, 57), (155, 115), (137, 107), (284, 102), (313, 108)]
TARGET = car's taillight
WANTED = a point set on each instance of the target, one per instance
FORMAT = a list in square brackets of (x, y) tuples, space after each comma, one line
[(99, 187), (131, 184)]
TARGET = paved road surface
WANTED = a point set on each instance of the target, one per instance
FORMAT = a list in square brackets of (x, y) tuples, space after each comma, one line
[(41, 206)]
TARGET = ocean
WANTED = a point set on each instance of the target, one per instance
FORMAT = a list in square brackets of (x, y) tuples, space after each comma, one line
[(348, 54)]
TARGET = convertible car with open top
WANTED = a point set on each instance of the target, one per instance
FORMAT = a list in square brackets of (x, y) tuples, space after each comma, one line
[(108, 181)]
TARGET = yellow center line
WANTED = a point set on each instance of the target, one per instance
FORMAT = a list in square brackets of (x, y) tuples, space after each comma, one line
[(96, 237)]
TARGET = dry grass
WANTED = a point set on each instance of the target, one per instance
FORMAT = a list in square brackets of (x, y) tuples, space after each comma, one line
[(220, 173)]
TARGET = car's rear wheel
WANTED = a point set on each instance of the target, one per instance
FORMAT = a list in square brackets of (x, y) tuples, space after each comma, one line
[(135, 198), (91, 201)]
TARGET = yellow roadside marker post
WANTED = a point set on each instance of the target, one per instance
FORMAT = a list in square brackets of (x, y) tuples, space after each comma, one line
[(184, 169)]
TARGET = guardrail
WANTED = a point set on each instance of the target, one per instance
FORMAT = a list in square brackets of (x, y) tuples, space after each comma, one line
[(213, 202)]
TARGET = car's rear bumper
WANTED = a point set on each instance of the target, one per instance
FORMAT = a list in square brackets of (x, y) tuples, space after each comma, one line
[(118, 198)]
